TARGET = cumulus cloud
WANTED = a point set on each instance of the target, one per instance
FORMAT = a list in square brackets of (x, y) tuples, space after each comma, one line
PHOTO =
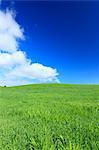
[(9, 60), (34, 71), (10, 32), (15, 68)]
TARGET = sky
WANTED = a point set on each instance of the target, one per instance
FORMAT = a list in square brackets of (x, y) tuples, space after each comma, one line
[(49, 41)]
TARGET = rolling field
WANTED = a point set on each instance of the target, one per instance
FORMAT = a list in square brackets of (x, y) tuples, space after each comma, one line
[(49, 117)]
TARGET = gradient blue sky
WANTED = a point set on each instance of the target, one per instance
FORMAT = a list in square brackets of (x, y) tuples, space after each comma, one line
[(63, 35)]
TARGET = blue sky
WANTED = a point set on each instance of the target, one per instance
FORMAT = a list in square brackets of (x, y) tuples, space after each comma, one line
[(63, 35)]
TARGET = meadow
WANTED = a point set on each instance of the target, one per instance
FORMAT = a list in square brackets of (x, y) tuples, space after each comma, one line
[(49, 117)]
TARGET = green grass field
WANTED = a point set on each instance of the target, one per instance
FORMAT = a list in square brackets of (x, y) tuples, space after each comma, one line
[(49, 117)]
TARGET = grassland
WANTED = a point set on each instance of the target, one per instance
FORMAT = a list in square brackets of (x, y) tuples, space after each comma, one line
[(49, 117)]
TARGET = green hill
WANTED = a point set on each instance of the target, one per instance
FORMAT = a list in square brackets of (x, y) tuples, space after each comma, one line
[(49, 117)]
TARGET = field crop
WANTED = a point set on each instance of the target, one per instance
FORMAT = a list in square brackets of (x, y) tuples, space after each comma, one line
[(49, 117)]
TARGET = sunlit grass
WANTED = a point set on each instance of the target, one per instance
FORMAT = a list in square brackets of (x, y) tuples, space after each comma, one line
[(49, 117)]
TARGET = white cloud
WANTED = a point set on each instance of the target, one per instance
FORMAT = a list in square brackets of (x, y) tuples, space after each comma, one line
[(15, 68), (10, 60), (10, 32), (34, 71)]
